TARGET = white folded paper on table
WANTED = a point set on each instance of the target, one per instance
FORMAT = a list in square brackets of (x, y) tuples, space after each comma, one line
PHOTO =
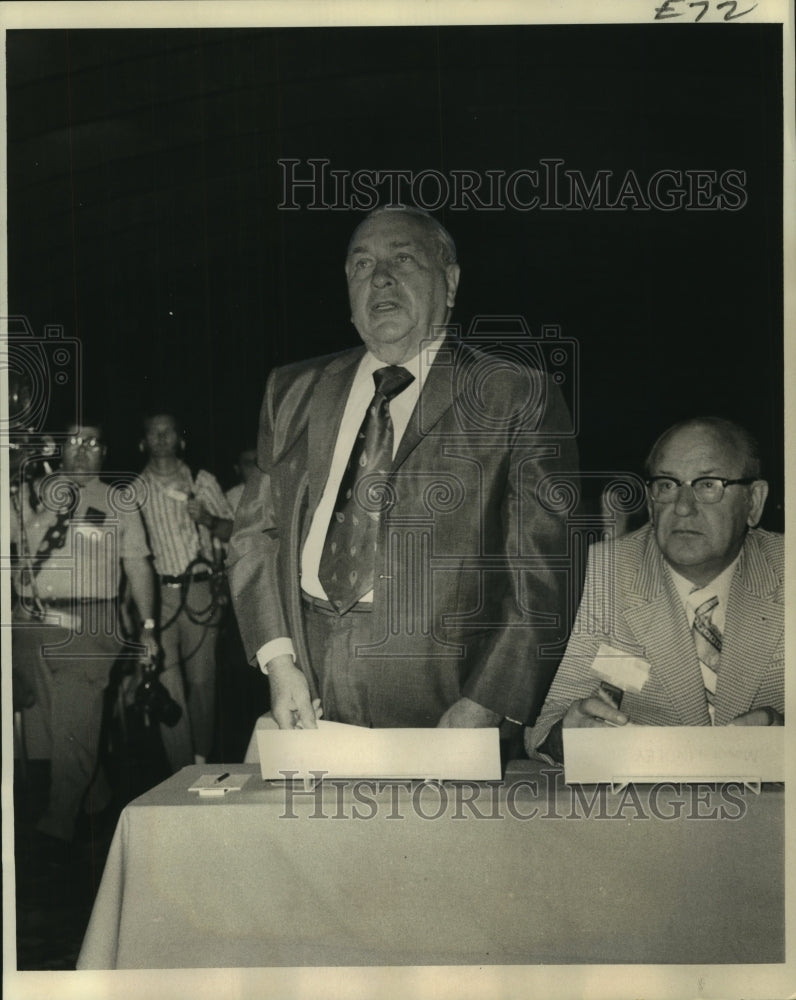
[(625, 754), (334, 750), (219, 783)]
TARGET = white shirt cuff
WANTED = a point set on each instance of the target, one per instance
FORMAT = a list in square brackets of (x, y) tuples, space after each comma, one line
[(276, 647)]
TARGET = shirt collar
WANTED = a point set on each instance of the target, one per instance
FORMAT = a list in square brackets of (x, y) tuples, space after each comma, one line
[(418, 365), (719, 586)]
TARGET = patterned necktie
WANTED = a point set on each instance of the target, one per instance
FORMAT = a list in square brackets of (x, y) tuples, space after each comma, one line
[(707, 639), (348, 557)]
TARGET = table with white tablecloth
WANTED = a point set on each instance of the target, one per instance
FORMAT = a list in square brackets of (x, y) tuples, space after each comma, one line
[(524, 871)]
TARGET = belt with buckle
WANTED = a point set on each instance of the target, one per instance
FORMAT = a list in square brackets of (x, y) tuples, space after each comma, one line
[(68, 602), (178, 581), (327, 608)]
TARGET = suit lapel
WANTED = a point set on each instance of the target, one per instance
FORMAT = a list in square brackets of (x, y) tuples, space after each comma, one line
[(659, 623), (753, 625), (326, 412), (436, 398), (330, 395)]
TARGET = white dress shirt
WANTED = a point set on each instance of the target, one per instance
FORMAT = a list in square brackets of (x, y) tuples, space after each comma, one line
[(360, 395), (692, 596)]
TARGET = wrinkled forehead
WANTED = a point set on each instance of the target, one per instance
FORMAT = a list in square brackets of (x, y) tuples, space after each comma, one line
[(392, 230), (698, 450)]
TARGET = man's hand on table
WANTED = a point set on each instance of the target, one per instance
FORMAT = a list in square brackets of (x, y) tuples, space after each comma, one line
[(596, 710), (290, 696), (467, 714), (759, 717)]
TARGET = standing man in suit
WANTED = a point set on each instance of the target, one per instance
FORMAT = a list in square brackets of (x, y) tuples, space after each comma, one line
[(684, 616), (390, 559)]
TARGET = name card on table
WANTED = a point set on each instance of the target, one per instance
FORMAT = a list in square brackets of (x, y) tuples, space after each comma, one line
[(621, 755), (334, 750)]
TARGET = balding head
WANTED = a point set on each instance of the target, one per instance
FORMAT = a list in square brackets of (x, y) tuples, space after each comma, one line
[(400, 288), (733, 436), (704, 494)]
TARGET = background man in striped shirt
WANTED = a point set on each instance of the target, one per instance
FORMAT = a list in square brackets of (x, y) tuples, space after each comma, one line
[(187, 518)]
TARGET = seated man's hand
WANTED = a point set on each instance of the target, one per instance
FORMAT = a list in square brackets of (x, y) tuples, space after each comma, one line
[(290, 695), (597, 710), (759, 717), (467, 714)]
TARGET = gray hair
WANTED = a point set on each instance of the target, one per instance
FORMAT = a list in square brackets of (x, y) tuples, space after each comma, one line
[(446, 248), (735, 434)]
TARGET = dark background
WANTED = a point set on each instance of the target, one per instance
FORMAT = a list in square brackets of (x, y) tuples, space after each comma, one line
[(143, 193)]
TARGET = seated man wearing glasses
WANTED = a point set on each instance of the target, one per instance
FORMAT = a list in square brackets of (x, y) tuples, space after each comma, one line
[(681, 622)]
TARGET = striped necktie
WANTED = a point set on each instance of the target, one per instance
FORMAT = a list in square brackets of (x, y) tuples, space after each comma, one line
[(707, 639)]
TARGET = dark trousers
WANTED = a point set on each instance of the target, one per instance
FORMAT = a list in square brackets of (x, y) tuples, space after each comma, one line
[(71, 673), (360, 688)]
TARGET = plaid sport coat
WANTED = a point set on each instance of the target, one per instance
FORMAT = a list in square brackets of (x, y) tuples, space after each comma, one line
[(630, 604)]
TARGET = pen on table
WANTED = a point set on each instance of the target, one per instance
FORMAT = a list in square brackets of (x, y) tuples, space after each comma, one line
[(221, 777)]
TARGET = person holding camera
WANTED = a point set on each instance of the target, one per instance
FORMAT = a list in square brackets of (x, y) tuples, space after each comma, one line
[(76, 537)]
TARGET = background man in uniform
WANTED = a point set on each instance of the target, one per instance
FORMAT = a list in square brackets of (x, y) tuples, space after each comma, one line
[(72, 546), (374, 463), (696, 595)]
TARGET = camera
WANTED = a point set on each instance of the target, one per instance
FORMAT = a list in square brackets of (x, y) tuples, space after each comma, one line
[(152, 698)]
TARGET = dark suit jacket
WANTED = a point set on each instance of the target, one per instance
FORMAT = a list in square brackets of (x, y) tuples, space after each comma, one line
[(629, 603), (463, 595)]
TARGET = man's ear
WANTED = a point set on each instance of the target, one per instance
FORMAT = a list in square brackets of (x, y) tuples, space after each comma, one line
[(142, 446), (650, 509), (759, 494), (452, 275)]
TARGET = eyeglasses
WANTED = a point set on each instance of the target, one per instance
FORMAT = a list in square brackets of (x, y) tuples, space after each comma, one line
[(706, 489), (79, 442)]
